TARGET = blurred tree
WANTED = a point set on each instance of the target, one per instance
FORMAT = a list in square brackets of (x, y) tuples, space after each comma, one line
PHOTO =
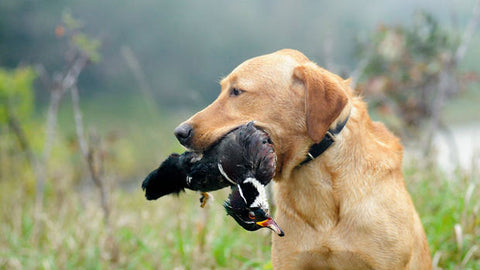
[(411, 72), (16, 106), (17, 100), (81, 51)]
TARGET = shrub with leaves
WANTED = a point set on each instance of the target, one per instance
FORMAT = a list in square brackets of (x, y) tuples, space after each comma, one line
[(16, 93), (412, 71)]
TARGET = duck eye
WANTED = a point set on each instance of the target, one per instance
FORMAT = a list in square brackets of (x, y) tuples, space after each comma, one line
[(251, 215), (236, 92)]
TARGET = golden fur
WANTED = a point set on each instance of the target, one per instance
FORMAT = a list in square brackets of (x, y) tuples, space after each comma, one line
[(348, 208)]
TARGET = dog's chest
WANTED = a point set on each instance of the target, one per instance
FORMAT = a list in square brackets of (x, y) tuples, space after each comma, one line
[(308, 197)]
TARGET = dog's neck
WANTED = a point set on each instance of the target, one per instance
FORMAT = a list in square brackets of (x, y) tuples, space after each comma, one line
[(294, 156), (324, 177), (329, 138), (357, 136)]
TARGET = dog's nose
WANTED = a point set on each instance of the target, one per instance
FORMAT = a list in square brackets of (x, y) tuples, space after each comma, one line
[(184, 133)]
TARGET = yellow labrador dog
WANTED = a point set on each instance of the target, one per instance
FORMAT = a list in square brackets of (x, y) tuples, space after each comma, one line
[(339, 188)]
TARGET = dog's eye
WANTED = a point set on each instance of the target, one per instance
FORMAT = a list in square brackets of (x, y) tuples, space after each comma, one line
[(236, 92)]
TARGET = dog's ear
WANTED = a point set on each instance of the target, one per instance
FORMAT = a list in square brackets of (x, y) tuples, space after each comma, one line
[(325, 99)]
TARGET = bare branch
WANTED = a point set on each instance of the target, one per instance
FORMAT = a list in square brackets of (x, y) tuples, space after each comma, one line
[(88, 152), (77, 113), (73, 72), (59, 89), (360, 68), (134, 66), (355, 75), (469, 31), (442, 86)]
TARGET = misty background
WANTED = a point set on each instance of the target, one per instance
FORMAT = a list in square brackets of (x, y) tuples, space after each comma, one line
[(185, 47)]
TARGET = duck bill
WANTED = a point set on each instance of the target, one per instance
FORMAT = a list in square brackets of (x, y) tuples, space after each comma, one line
[(272, 225)]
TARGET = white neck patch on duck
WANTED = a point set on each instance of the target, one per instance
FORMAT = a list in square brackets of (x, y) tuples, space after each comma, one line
[(261, 199)]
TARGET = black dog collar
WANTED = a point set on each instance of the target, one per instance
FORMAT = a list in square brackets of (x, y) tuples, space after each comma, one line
[(329, 138)]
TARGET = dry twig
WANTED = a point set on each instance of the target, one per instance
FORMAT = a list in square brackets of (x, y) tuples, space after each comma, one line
[(88, 152), (58, 90)]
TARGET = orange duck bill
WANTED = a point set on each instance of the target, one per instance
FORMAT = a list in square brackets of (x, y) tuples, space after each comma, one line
[(272, 225)]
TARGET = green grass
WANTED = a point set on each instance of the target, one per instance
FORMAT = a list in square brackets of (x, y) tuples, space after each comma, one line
[(165, 234), (175, 233), (449, 208)]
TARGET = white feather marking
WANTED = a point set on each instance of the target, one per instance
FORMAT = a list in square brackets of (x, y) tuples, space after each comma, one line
[(261, 200), (189, 180), (220, 168), (241, 194)]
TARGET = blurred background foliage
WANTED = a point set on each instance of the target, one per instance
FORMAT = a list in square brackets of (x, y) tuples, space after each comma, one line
[(407, 69), (16, 93), (92, 90)]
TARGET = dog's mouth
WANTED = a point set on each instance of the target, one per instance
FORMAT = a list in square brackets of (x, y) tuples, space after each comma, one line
[(217, 141)]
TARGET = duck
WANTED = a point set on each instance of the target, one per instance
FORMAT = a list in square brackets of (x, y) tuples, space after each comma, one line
[(251, 169), (244, 160)]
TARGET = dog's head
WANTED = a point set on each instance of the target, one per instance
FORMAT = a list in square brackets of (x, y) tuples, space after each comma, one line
[(286, 94)]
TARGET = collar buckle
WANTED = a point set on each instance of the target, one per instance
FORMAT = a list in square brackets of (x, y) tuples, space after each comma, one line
[(329, 138)]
